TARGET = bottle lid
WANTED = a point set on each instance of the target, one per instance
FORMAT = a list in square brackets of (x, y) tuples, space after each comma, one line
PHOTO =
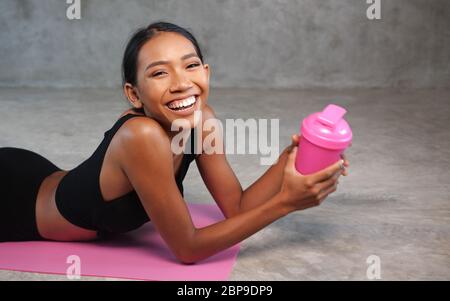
[(328, 128)]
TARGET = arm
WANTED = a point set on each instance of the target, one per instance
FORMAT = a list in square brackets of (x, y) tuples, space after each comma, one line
[(297, 192), (224, 186), (226, 190), (146, 158)]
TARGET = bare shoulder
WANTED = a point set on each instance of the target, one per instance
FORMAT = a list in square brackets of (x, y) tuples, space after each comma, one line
[(144, 155), (141, 125), (140, 135)]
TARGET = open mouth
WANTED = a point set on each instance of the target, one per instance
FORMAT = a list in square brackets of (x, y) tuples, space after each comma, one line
[(182, 105)]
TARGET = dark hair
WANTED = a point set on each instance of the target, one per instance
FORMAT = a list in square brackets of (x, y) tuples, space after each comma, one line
[(139, 38)]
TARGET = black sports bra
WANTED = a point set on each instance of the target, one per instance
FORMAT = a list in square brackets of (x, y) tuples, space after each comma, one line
[(79, 199)]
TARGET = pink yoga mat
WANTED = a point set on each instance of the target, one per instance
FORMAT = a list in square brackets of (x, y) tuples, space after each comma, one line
[(140, 254)]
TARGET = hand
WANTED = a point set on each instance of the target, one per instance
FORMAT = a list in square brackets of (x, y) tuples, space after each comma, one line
[(299, 191)]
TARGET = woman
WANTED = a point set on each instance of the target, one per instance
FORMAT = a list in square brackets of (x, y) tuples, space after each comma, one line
[(134, 176)]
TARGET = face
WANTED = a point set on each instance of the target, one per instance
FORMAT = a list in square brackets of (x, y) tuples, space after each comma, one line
[(172, 82)]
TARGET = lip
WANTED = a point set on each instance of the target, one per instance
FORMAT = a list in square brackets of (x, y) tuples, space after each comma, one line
[(185, 112)]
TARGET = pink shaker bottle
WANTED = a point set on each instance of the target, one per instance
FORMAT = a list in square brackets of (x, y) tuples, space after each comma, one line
[(325, 136)]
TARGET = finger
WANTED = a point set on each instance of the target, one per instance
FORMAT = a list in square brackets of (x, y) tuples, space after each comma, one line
[(345, 172), (294, 142), (324, 193), (322, 186), (328, 172), (346, 162)]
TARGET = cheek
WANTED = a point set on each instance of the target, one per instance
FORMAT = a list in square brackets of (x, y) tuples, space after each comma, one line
[(202, 81), (153, 91)]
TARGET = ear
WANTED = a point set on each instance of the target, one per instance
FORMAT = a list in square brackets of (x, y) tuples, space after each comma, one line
[(208, 70), (132, 95)]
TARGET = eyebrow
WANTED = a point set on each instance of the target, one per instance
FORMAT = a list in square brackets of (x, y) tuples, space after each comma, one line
[(184, 57)]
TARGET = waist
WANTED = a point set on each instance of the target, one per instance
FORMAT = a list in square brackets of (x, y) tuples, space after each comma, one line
[(46, 194), (51, 223)]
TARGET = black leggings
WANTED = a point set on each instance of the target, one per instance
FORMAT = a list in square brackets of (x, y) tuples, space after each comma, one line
[(21, 173)]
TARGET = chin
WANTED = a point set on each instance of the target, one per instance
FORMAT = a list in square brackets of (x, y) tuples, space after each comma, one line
[(184, 122)]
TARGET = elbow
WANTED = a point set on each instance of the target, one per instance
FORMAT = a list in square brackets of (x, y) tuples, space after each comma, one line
[(186, 257), (186, 260), (187, 253)]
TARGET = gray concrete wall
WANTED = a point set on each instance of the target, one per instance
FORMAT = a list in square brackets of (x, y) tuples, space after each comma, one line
[(254, 43)]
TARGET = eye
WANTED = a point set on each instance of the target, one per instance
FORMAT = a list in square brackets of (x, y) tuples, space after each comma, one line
[(193, 65), (156, 74)]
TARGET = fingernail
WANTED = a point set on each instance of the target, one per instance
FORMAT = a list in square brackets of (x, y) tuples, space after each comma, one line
[(341, 164)]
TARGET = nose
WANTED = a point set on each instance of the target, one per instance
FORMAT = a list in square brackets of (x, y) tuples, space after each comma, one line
[(180, 83)]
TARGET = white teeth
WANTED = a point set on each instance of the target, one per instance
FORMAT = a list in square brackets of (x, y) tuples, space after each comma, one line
[(182, 103)]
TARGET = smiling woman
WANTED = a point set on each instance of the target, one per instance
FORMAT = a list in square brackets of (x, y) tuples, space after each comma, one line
[(134, 176)]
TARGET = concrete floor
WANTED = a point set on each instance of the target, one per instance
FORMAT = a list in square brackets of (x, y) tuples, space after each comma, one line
[(395, 203)]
